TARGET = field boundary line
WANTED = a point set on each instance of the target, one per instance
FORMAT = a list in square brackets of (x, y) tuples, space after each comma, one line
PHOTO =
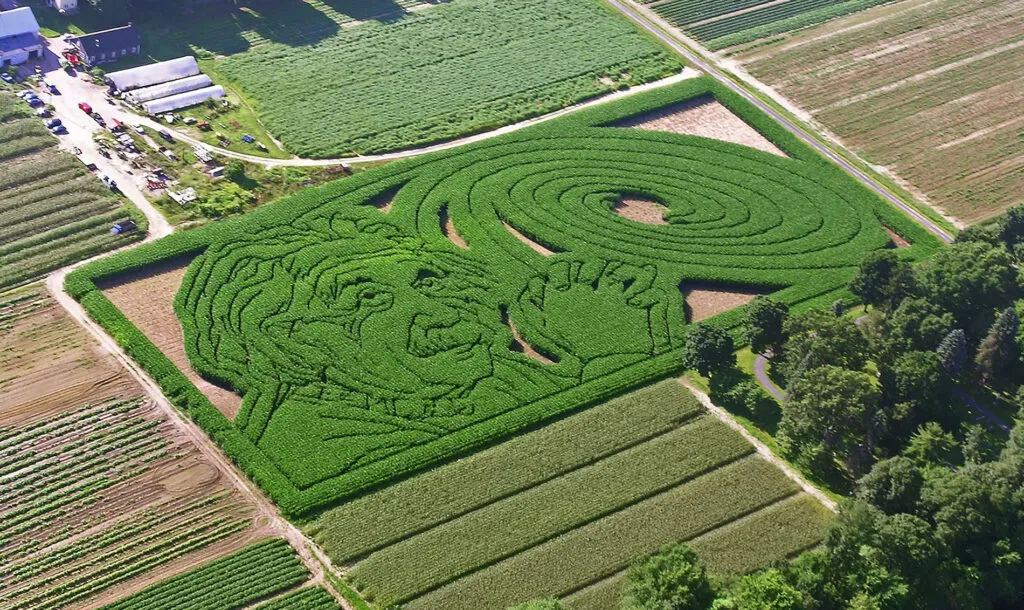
[(760, 447), (748, 87), (689, 421)]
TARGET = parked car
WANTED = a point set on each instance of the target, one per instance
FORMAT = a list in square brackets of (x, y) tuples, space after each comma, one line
[(138, 128), (108, 181), (165, 135), (248, 139), (52, 87), (58, 130), (85, 107), (7, 78), (123, 227), (42, 113), (96, 117), (25, 93), (52, 123), (35, 102)]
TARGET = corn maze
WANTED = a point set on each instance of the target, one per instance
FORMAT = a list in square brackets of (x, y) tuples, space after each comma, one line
[(409, 314)]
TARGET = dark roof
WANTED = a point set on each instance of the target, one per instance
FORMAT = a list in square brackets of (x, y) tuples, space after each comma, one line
[(21, 41), (109, 41)]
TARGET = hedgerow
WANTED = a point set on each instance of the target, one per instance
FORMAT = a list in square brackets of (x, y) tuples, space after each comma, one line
[(368, 345), (450, 551), (606, 546)]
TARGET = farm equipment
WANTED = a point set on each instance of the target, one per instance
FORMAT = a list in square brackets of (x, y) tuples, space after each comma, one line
[(118, 126), (203, 125)]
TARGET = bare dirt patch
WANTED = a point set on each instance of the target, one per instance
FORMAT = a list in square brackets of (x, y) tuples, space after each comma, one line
[(705, 117), (47, 361), (703, 301), (449, 230), (519, 344), (146, 297), (898, 240), (638, 209), (538, 248)]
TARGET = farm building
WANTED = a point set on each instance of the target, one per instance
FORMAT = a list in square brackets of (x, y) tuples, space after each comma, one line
[(183, 100), (153, 74), (173, 87), (19, 37), (64, 7), (108, 45)]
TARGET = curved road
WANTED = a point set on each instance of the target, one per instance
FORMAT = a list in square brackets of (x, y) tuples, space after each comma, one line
[(680, 45), (760, 372)]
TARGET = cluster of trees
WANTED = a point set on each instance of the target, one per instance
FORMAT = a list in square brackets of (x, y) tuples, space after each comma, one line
[(864, 389)]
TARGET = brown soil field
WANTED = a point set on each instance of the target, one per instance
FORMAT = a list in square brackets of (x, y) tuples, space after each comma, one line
[(932, 90), (704, 117), (146, 297), (449, 230), (641, 210), (47, 361), (703, 301), (898, 240)]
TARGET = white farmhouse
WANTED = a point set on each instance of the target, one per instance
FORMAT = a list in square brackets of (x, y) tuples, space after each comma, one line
[(64, 7), (19, 37)]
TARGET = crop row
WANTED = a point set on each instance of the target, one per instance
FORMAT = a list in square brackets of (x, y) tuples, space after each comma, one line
[(310, 598), (742, 217), (775, 19), (683, 12), (46, 165), (449, 551), (779, 531), (549, 55), (771, 534), (231, 582), (77, 420), (604, 547), (438, 495)]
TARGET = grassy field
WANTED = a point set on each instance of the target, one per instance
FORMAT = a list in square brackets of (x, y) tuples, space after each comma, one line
[(52, 212), (474, 66), (483, 532), (724, 23), (930, 90)]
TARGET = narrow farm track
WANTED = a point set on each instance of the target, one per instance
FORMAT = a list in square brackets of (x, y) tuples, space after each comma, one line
[(311, 556), (705, 62)]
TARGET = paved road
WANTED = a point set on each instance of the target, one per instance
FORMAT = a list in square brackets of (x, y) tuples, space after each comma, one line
[(681, 45), (760, 372)]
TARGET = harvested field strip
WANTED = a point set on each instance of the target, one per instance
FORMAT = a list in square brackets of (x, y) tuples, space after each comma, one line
[(601, 548), (781, 530), (26, 171), (425, 501), (310, 598), (231, 582), (447, 552), (31, 231)]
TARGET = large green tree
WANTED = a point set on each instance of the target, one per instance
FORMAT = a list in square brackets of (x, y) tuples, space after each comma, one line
[(892, 486), (952, 352), (970, 280), (835, 410), (874, 282), (767, 590), (765, 322), (708, 349), (998, 350), (670, 579), (817, 338), (915, 389)]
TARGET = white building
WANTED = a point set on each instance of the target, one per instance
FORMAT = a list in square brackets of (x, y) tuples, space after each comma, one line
[(64, 7), (19, 37)]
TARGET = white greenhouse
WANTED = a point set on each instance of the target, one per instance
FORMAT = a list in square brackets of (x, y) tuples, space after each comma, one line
[(153, 74), (173, 87), (183, 100)]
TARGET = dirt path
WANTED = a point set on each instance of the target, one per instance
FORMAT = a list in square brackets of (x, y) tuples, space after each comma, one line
[(760, 372), (311, 556), (761, 448)]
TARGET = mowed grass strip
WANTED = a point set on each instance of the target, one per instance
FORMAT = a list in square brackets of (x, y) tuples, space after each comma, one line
[(424, 562), (438, 495), (603, 547), (776, 532)]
